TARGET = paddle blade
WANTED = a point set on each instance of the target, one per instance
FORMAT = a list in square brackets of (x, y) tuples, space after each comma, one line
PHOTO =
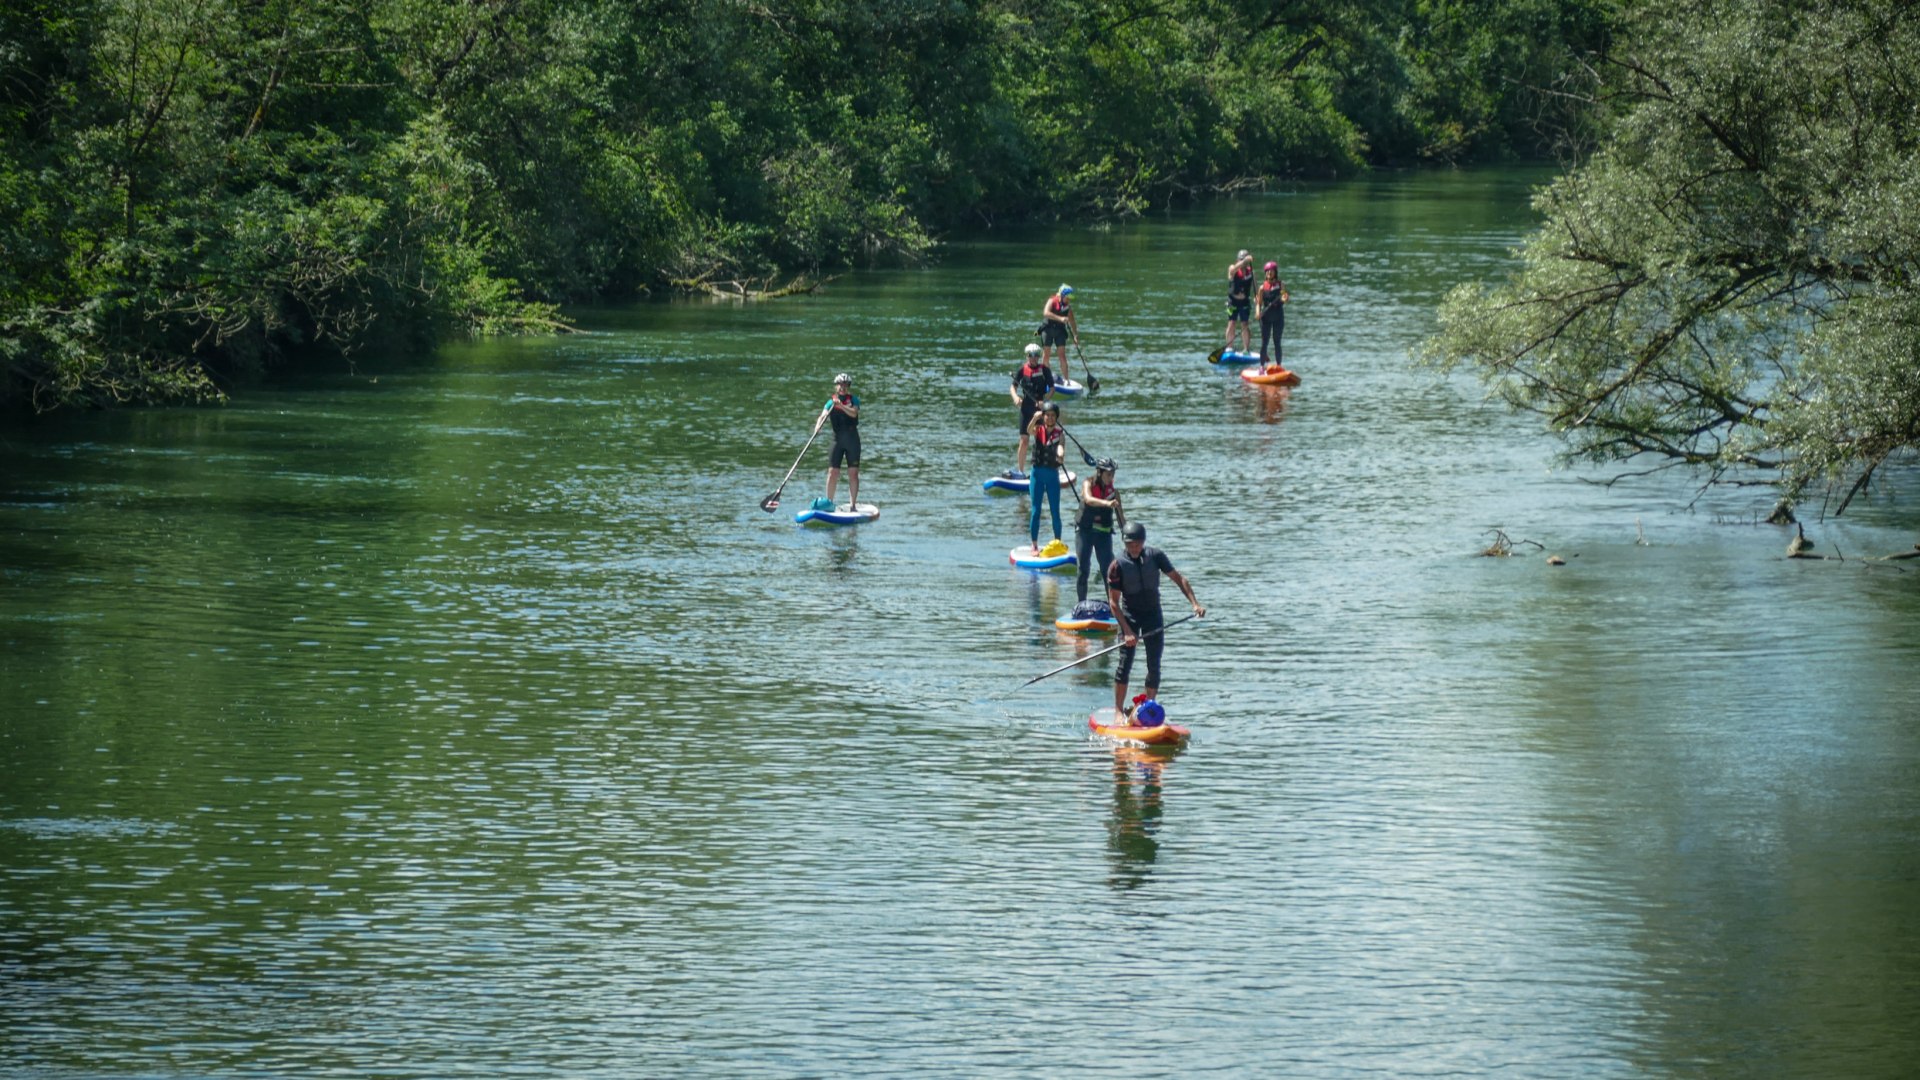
[(1093, 384), (770, 503), (1214, 356)]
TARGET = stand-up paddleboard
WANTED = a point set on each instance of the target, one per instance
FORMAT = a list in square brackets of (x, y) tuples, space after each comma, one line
[(1088, 617), (1000, 484), (1229, 357), (1068, 388), (1102, 723), (1054, 556), (1275, 377), (844, 514)]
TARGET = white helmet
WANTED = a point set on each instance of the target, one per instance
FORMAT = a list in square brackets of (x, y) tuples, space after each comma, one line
[(1032, 350)]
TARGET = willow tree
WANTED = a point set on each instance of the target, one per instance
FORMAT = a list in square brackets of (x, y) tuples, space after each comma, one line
[(1731, 281)]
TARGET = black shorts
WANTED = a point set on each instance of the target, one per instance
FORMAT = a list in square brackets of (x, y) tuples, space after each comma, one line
[(1239, 312), (1053, 333), (846, 448), (1027, 409)]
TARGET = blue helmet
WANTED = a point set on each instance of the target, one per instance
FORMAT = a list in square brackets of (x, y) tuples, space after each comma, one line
[(1066, 290)]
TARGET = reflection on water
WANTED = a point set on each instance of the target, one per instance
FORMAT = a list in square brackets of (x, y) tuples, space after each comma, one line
[(1139, 774)]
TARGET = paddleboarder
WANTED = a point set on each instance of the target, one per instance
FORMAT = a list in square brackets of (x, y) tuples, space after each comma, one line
[(1099, 507), (1240, 299), (1032, 385), (1133, 588), (844, 410), (1049, 451), (1271, 306), (1057, 325)]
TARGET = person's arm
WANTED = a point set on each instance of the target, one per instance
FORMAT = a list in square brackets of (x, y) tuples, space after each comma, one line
[(1181, 580), (1119, 611), (822, 418), (851, 406)]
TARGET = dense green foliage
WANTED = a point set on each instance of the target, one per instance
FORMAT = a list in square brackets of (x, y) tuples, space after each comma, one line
[(1733, 282), (193, 188)]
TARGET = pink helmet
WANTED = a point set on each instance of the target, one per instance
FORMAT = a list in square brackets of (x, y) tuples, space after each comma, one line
[(1273, 266)]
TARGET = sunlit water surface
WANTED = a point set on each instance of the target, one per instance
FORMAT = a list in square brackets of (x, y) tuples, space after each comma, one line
[(465, 715)]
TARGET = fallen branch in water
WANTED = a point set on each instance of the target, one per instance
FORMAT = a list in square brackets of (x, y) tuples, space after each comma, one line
[(1503, 545), (751, 288)]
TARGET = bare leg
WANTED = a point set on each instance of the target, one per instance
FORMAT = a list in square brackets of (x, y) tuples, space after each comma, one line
[(1020, 455), (833, 481), (853, 486)]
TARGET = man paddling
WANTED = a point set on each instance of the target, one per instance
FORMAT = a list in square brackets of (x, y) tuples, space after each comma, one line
[(1133, 588), (844, 409)]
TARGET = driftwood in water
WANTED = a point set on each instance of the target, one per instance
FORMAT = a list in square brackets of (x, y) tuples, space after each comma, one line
[(751, 288), (1503, 545)]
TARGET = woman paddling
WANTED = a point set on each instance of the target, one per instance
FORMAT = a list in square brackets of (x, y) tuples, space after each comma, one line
[(1099, 509), (1272, 306), (1057, 325), (1043, 479)]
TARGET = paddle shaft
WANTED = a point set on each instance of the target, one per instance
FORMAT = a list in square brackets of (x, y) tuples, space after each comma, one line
[(1108, 649), (1093, 381), (773, 500)]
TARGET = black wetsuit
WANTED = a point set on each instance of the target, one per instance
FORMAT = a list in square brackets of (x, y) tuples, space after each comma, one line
[(1273, 317), (1138, 583), (1053, 332), (1033, 385), (846, 434), (1239, 295), (1095, 527)]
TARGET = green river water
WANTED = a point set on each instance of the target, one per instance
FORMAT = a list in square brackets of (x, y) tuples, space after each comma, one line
[(465, 716)]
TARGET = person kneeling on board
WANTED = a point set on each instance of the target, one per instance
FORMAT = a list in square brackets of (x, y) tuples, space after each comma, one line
[(1133, 587), (844, 409)]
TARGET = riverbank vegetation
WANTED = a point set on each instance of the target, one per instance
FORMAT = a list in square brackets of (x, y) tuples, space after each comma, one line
[(1732, 282), (193, 189)]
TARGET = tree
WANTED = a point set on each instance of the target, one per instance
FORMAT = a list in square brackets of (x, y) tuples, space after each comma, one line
[(1731, 283)]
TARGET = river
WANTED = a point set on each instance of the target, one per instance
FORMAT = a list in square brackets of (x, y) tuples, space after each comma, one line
[(464, 715)]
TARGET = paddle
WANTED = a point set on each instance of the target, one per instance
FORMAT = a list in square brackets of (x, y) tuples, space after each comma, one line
[(772, 502), (1084, 456), (1214, 356), (1093, 384), (1105, 651)]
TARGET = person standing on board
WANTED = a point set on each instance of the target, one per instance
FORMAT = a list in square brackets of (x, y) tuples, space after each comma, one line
[(844, 410), (1058, 325), (1049, 450), (1133, 588), (1240, 299), (1099, 508), (1271, 310), (1032, 385)]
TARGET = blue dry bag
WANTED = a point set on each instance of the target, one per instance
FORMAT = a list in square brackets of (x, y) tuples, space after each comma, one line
[(1150, 714)]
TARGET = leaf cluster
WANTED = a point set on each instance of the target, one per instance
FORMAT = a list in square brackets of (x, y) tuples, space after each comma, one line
[(193, 189), (1731, 283)]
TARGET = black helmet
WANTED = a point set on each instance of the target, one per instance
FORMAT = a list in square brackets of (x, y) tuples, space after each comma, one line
[(1105, 464), (1135, 531), (1052, 407)]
